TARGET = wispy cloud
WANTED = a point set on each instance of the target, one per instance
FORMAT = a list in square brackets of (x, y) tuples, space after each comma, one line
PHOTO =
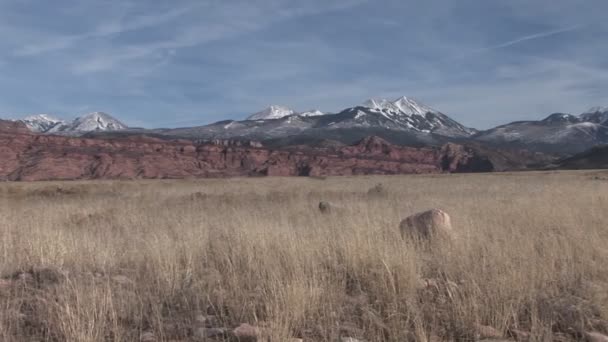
[(221, 22), (533, 37), (105, 29)]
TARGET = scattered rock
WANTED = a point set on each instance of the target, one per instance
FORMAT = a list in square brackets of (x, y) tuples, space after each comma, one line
[(24, 278), (246, 333), (349, 339), (325, 207), (41, 277), (487, 332), (350, 329), (378, 191), (561, 337), (122, 280), (570, 314), (48, 276), (147, 337), (205, 333), (595, 337), (519, 335), (427, 225), (208, 321), (5, 284)]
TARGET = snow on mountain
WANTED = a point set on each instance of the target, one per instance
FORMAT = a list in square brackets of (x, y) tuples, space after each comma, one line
[(559, 118), (403, 105), (41, 123), (97, 121), (558, 133), (93, 122), (407, 113), (598, 115), (312, 112), (272, 112)]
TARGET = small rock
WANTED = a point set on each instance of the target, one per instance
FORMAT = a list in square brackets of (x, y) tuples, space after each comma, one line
[(48, 276), (378, 191), (349, 339), (22, 279), (295, 340), (5, 284), (595, 337), (561, 337), (122, 280), (147, 337), (487, 332), (208, 321), (325, 207), (519, 335), (205, 333), (246, 333)]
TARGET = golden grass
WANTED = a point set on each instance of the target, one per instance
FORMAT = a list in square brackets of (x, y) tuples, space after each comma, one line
[(132, 257)]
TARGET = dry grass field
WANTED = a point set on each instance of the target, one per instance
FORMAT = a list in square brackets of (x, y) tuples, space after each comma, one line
[(169, 260)]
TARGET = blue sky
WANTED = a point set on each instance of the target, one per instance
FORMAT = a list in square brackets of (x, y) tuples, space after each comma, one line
[(167, 63)]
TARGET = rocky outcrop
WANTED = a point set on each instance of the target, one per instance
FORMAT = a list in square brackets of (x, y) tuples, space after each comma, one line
[(30, 157)]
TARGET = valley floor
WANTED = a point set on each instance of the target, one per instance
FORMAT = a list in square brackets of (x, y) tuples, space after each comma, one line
[(193, 260)]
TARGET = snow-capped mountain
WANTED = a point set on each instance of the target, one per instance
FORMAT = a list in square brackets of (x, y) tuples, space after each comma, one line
[(277, 112), (97, 121), (41, 123), (402, 120), (598, 115), (93, 122), (403, 114), (559, 132), (312, 112), (272, 112), (401, 106)]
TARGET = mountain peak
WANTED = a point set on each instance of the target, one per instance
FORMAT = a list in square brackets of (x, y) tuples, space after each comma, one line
[(561, 118), (97, 121), (272, 112), (41, 122), (409, 105), (402, 105)]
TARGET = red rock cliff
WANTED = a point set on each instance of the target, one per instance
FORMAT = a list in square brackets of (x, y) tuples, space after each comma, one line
[(26, 156)]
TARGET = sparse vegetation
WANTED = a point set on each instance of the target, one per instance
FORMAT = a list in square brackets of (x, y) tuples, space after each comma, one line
[(172, 260)]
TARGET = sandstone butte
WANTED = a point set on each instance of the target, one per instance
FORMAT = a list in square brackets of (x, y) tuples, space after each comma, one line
[(26, 156)]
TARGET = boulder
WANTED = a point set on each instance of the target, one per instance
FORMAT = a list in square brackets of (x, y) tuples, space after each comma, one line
[(246, 333), (203, 334), (428, 225), (487, 332), (147, 337), (519, 335), (595, 337)]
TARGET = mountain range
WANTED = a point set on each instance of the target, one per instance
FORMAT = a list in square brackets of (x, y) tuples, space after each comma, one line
[(403, 121), (92, 122)]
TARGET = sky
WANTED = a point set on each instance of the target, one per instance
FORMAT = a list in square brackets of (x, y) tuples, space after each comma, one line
[(171, 63)]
